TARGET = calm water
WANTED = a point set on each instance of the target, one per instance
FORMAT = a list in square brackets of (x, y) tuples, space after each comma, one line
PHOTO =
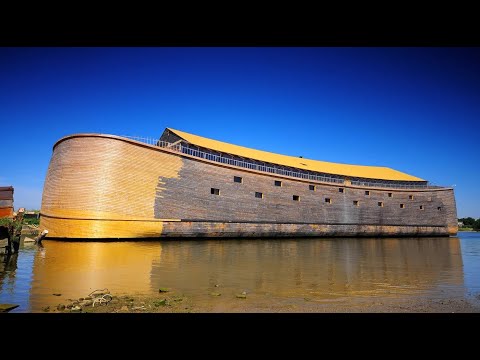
[(319, 270)]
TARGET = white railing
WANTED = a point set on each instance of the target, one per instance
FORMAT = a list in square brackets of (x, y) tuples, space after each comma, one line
[(394, 185), (258, 167), (273, 170)]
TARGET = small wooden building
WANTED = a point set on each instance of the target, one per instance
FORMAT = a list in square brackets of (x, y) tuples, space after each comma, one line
[(6, 201)]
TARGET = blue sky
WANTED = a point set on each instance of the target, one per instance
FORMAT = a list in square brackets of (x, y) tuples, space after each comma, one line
[(416, 110)]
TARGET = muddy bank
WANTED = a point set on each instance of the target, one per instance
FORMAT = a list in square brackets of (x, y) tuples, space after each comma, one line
[(168, 301)]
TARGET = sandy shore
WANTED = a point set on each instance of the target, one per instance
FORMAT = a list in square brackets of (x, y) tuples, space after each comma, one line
[(170, 302)]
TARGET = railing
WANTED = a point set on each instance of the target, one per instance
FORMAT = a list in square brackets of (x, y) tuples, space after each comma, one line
[(394, 186), (258, 167), (234, 162), (273, 170)]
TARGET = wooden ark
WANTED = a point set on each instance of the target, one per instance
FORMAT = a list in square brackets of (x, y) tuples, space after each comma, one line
[(182, 185)]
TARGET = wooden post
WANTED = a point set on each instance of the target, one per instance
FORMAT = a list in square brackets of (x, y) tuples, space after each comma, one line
[(5, 235), (39, 238)]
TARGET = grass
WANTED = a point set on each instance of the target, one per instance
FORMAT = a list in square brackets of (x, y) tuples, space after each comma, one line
[(31, 221), (12, 225)]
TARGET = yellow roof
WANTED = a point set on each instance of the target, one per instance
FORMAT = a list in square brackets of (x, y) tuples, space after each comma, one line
[(370, 172)]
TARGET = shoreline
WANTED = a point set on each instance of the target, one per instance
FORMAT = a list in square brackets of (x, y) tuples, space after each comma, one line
[(171, 302)]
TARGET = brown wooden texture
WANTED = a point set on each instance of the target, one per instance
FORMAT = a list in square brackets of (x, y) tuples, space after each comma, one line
[(6, 212), (6, 201), (110, 187), (102, 179), (6, 193)]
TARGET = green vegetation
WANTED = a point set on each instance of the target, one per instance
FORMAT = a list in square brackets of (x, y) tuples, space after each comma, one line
[(14, 226), (470, 223), (467, 222), (6, 222), (31, 221)]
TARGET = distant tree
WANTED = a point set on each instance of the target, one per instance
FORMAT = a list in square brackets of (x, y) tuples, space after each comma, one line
[(476, 225), (469, 221)]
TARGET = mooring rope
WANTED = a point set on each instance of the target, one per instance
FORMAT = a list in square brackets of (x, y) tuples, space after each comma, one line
[(101, 296)]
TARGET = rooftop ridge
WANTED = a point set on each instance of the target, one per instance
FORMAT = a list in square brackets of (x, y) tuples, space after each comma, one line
[(347, 170)]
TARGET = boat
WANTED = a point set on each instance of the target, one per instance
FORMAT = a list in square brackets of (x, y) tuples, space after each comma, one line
[(181, 185)]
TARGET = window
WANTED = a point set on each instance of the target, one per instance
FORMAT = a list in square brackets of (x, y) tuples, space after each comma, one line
[(439, 208), (402, 206), (278, 183), (390, 194), (237, 179), (367, 192), (259, 195), (421, 207), (380, 203), (215, 191), (296, 198), (410, 197), (341, 190), (356, 203), (328, 200), (311, 187)]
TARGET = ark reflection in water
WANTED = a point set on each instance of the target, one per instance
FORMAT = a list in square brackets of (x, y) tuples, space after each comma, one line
[(320, 269)]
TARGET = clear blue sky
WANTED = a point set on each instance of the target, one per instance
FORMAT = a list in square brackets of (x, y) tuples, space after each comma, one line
[(416, 110)]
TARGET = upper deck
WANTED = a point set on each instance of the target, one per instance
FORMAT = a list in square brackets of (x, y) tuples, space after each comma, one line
[(180, 146), (369, 176)]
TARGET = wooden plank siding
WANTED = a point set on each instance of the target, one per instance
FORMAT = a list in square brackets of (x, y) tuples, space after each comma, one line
[(6, 201), (101, 186)]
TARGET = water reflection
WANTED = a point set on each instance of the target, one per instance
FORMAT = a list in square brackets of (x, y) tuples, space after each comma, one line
[(8, 266), (76, 269), (314, 267), (15, 278), (327, 269)]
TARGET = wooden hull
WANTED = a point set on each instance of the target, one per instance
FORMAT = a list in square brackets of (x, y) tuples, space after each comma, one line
[(107, 187)]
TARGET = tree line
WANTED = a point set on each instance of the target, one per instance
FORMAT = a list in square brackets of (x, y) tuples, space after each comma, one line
[(471, 223)]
